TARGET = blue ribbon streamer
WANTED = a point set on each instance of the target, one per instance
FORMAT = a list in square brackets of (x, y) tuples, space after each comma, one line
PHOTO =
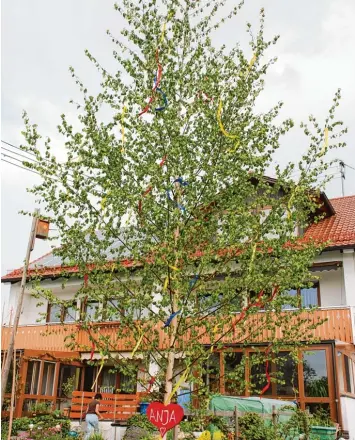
[(182, 182), (159, 109), (193, 281), (182, 208), (171, 317), (158, 89)]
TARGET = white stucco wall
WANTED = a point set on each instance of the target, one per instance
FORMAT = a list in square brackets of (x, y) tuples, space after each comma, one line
[(331, 288), (30, 312), (348, 413)]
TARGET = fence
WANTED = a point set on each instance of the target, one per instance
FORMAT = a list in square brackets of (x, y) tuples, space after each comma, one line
[(112, 406)]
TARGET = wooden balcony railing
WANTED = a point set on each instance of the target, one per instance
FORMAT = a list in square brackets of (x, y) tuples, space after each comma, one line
[(50, 337)]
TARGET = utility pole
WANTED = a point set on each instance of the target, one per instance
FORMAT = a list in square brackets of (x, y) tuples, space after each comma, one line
[(7, 364), (342, 176)]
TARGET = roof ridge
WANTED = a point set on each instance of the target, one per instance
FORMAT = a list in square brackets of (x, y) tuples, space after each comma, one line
[(342, 197)]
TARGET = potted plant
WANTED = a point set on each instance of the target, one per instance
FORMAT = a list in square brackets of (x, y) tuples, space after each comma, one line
[(67, 388)]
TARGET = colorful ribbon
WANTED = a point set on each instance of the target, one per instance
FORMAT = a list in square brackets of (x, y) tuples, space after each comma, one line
[(98, 374), (268, 377), (156, 84), (252, 61), (159, 109), (171, 317), (178, 205), (219, 119), (148, 190), (138, 343), (326, 142), (176, 387), (182, 182), (193, 281)]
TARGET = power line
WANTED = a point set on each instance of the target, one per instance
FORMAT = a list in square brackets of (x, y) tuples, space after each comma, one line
[(19, 166), (18, 154), (18, 148), (28, 158)]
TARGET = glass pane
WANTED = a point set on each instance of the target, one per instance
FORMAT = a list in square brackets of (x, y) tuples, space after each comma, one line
[(128, 384), (69, 379), (348, 375), (258, 375), (31, 386), (70, 314), (92, 308), (319, 410), (309, 296), (293, 293), (108, 381), (48, 379), (315, 374), (234, 373), (55, 311), (211, 375), (288, 379), (113, 310)]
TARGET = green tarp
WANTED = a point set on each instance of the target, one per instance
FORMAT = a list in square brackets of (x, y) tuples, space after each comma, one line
[(250, 404)]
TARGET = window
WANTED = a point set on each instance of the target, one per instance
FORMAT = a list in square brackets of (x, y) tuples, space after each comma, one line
[(307, 297), (287, 384), (60, 313), (68, 374), (315, 374), (348, 375), (54, 313), (92, 310), (234, 374), (210, 375), (32, 378), (258, 374), (48, 378)]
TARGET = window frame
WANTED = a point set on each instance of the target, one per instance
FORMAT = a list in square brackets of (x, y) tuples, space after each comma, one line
[(301, 398), (299, 297), (63, 313)]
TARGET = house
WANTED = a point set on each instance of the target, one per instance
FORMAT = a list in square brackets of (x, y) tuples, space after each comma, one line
[(326, 378)]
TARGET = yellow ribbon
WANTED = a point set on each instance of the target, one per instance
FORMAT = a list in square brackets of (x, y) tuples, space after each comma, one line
[(174, 268), (171, 13), (176, 387), (326, 141), (219, 119), (98, 374), (122, 127), (138, 343), (252, 61)]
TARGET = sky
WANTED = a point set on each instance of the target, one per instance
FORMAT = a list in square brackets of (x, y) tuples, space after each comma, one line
[(41, 39)]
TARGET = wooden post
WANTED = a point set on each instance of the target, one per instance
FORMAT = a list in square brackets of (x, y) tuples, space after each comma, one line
[(22, 386), (6, 368), (176, 431), (235, 423), (13, 392), (274, 415)]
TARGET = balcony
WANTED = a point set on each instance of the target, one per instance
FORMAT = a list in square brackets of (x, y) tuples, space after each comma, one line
[(51, 337)]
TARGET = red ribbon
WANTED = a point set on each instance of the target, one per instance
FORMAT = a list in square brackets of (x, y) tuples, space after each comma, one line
[(148, 190), (156, 85), (268, 378)]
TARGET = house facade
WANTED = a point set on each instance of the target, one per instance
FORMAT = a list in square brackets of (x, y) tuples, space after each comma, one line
[(325, 379)]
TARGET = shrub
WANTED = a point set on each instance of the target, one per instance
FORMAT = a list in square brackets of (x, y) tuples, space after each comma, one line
[(141, 421)]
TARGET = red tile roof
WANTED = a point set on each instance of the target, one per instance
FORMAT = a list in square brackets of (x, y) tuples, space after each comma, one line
[(338, 230)]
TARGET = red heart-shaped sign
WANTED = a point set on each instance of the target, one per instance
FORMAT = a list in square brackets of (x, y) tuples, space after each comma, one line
[(165, 417)]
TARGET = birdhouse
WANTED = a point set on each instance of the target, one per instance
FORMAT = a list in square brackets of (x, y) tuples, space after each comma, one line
[(42, 229)]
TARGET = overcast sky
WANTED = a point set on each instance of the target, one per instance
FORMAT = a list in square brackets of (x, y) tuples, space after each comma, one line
[(41, 39)]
